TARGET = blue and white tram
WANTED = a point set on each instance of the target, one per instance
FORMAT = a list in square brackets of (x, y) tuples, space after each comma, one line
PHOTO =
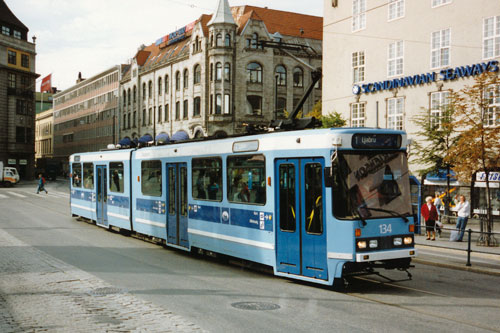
[(316, 205)]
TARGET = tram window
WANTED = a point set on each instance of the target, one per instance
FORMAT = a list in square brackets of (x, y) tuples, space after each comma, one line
[(151, 178), (207, 178), (88, 176), (313, 198), (287, 197), (116, 177), (246, 177), (183, 188), (77, 174)]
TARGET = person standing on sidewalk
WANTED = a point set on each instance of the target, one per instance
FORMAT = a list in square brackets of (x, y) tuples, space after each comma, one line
[(439, 204), (41, 185), (463, 212), (430, 215)]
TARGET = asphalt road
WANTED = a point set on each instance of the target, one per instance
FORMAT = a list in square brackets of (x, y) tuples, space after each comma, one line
[(219, 296)]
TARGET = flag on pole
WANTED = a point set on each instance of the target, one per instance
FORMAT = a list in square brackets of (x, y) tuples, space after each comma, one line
[(46, 84)]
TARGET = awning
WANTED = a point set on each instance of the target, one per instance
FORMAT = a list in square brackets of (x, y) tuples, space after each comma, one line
[(162, 138), (145, 138), (180, 136)]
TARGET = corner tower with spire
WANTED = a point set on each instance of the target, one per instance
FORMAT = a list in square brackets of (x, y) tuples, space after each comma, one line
[(221, 57)]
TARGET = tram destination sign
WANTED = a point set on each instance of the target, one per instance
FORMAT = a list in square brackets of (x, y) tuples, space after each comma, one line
[(376, 141)]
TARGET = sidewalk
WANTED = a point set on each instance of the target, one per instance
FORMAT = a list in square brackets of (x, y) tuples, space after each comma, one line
[(39, 293), (444, 253)]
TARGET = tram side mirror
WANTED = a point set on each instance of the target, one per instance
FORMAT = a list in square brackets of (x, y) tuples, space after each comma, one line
[(328, 177)]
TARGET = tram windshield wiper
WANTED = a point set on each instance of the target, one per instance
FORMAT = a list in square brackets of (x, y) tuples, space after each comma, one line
[(393, 213)]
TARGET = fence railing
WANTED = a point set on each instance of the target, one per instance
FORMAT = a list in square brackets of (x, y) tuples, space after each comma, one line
[(469, 232)]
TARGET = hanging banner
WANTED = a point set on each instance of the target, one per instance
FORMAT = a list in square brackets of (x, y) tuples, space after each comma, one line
[(46, 84)]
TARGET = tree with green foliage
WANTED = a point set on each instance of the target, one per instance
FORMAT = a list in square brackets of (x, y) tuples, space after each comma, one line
[(438, 136), (330, 120), (476, 118)]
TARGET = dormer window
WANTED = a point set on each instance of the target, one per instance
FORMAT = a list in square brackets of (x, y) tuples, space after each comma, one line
[(17, 34), (6, 30)]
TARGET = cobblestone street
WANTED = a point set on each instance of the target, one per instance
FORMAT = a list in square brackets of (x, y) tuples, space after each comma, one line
[(34, 287)]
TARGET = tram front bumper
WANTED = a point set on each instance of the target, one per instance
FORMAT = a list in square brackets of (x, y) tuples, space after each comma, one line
[(385, 255)]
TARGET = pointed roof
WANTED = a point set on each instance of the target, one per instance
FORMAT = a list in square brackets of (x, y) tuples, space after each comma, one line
[(7, 16), (223, 14)]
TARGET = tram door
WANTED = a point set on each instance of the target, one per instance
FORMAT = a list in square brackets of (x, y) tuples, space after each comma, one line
[(102, 196), (301, 234), (177, 204)]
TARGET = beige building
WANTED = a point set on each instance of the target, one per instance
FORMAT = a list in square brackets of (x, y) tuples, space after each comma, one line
[(44, 148), (210, 77), (389, 60)]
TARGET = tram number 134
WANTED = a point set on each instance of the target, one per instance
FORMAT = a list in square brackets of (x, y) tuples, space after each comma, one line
[(385, 228)]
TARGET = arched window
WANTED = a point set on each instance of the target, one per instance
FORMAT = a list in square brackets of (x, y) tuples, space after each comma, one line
[(197, 74), (196, 106), (124, 98), (280, 75), (254, 72), (218, 40), (298, 77), (159, 86), (227, 40), (177, 80), (166, 84), (135, 94), (195, 46), (150, 89), (218, 71), (186, 78), (128, 96), (227, 72), (144, 90)]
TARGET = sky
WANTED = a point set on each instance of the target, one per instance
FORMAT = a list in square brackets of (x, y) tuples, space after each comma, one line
[(91, 36)]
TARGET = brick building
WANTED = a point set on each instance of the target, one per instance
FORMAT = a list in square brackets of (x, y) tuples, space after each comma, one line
[(17, 89)]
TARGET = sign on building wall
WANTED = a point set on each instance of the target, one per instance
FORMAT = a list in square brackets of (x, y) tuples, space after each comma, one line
[(448, 74)]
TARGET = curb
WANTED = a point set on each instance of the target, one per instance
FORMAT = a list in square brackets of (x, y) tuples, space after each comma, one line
[(493, 272)]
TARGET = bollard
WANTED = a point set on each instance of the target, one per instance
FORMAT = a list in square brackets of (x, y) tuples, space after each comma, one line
[(468, 247)]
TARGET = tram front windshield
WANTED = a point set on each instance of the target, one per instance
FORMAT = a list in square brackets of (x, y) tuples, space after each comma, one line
[(371, 185)]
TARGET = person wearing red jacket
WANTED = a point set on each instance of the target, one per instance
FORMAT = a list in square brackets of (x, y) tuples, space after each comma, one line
[(430, 215)]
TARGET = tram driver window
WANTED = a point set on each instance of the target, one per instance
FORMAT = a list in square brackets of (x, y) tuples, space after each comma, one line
[(207, 178), (77, 174), (151, 178), (88, 176), (116, 177), (246, 179)]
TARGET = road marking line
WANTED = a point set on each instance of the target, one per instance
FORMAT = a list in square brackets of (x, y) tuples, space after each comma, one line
[(17, 194)]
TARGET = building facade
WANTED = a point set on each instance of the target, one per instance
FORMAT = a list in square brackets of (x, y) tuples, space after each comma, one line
[(85, 115), (17, 90), (210, 77), (44, 137), (390, 60)]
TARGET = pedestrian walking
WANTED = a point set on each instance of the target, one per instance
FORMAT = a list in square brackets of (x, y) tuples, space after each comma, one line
[(430, 215), (41, 185), (463, 212)]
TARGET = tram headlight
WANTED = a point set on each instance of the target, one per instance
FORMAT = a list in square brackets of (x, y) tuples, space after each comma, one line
[(398, 241), (373, 244), (362, 245), (408, 240)]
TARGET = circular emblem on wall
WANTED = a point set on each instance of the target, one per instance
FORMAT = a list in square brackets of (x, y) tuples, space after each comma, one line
[(356, 90)]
